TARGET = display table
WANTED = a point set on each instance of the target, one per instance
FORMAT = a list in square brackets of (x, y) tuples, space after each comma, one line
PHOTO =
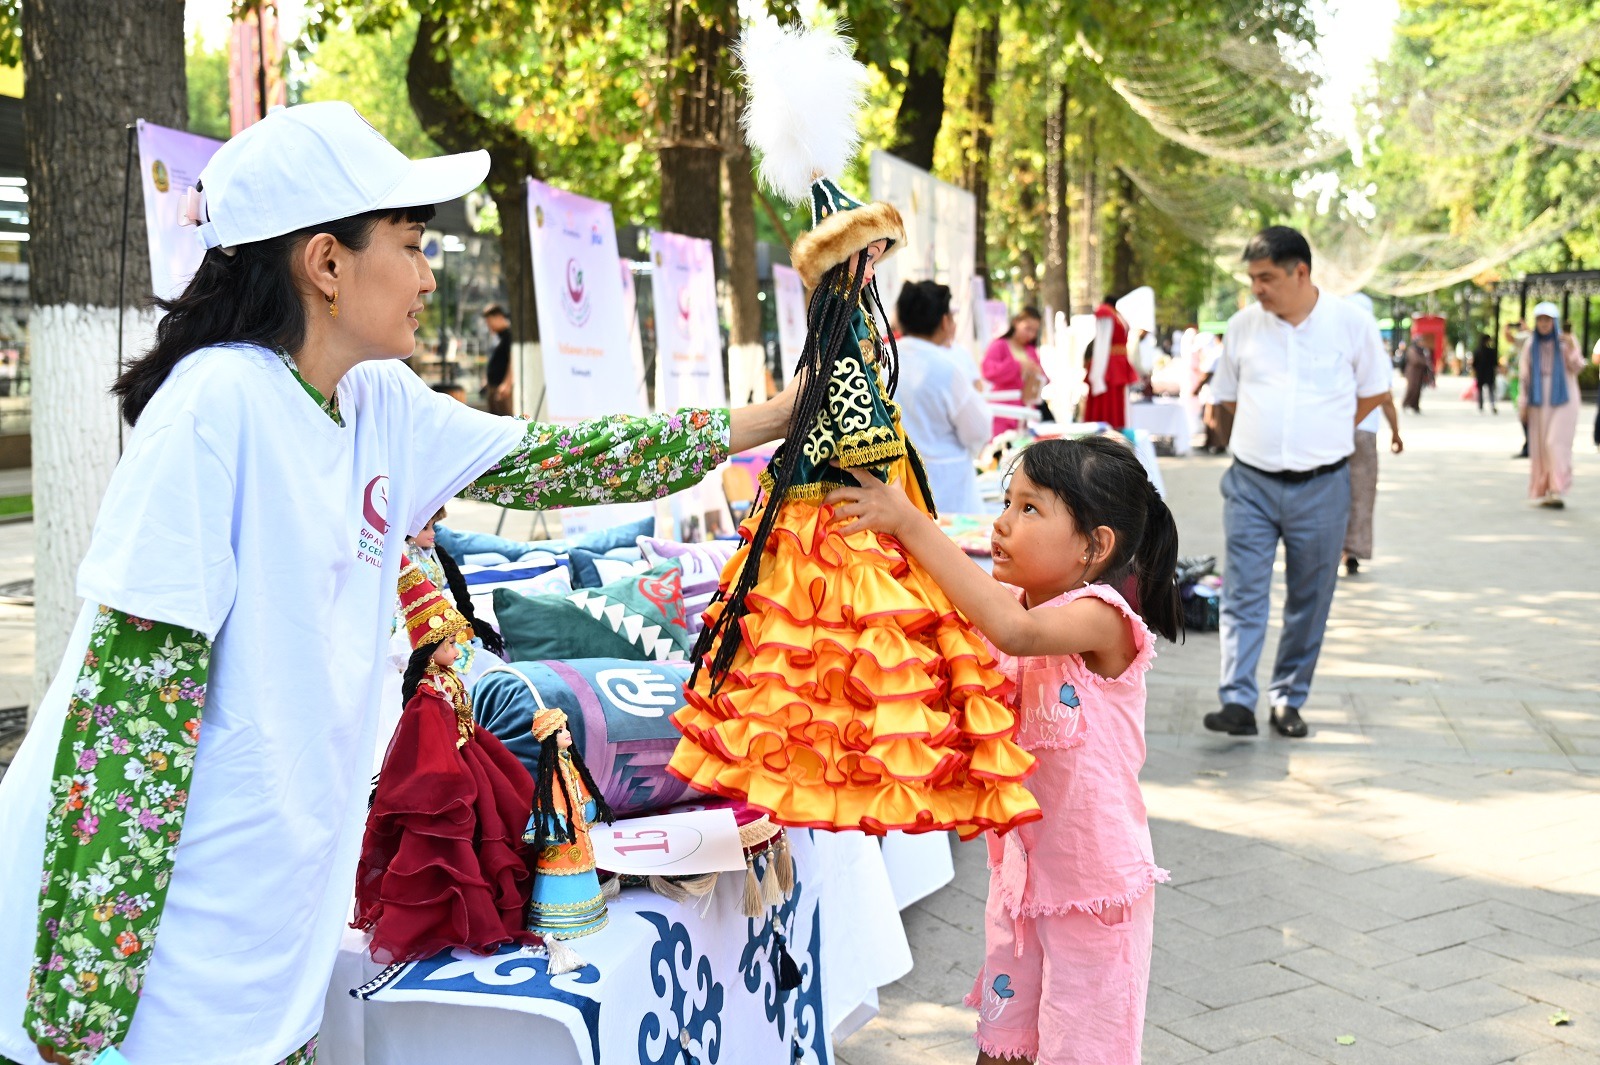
[(666, 982), (1164, 417)]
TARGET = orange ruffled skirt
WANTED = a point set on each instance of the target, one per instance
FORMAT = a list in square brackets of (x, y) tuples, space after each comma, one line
[(860, 699)]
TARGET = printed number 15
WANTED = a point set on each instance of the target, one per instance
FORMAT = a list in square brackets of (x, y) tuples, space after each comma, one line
[(645, 833)]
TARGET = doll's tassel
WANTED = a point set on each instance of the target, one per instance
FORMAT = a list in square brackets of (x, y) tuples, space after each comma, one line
[(752, 890), (610, 889), (785, 862), (771, 890), (563, 959), (783, 963)]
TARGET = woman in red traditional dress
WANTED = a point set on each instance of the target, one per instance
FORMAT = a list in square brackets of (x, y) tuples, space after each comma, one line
[(1110, 372)]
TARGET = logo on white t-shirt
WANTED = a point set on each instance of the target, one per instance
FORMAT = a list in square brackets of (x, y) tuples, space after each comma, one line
[(375, 520)]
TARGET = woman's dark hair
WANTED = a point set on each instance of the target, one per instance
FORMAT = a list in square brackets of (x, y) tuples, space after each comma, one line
[(247, 297), (828, 316), (1102, 483), (416, 666), (484, 631), (1022, 315), (921, 307), (544, 791)]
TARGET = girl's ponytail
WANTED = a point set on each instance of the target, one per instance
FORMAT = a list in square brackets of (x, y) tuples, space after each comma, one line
[(1155, 567)]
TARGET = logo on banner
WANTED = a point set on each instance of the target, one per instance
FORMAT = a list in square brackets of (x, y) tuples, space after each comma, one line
[(574, 296), (158, 175), (375, 520), (685, 314), (538, 215)]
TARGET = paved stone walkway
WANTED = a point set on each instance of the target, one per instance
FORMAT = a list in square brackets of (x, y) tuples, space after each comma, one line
[(1422, 873)]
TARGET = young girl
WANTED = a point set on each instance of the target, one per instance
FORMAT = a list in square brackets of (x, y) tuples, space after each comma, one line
[(1070, 912)]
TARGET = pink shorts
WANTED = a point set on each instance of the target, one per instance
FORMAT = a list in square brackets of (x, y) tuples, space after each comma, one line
[(1065, 989)]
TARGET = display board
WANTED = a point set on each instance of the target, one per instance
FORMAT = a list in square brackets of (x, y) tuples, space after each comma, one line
[(941, 223), (170, 162), (577, 291), (688, 339)]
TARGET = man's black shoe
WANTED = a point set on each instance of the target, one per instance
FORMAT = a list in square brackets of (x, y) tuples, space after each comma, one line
[(1233, 719), (1286, 721)]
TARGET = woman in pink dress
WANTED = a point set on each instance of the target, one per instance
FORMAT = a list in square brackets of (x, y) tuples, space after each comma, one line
[(1548, 366), (1012, 364)]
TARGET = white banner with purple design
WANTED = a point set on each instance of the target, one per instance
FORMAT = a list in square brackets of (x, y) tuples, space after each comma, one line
[(790, 293), (578, 294), (170, 162), (688, 339), (941, 221), (667, 983)]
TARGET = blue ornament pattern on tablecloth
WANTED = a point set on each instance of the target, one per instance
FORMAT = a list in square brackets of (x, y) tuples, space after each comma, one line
[(758, 961), (688, 1029), (518, 973), (810, 1043)]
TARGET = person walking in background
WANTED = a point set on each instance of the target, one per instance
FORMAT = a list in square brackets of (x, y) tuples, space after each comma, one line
[(1364, 469), (497, 388), (1110, 371), (1300, 371), (943, 413), (1485, 368), (1011, 364), (1419, 372), (1548, 366)]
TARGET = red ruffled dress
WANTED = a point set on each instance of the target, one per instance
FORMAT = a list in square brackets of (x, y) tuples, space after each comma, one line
[(443, 863)]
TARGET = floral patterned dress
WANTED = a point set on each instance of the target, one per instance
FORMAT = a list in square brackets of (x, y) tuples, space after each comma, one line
[(119, 783)]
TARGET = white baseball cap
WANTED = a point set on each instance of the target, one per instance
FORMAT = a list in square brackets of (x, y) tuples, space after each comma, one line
[(313, 163), (1547, 310)]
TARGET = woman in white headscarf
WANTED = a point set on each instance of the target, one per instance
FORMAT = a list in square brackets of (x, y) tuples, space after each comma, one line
[(1548, 366)]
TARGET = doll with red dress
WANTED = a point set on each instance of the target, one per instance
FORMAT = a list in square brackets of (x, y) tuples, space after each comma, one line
[(443, 863)]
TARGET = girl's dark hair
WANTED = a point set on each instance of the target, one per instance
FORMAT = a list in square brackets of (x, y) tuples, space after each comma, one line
[(921, 306), (1025, 313), (247, 297), (828, 316), (416, 666), (1102, 482), (544, 791), (484, 631)]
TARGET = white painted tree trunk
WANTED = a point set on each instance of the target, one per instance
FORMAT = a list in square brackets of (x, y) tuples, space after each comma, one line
[(73, 352), (747, 374), (528, 388)]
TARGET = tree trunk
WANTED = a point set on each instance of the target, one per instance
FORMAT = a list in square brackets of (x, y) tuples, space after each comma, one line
[(747, 377), (1092, 278), (987, 57), (452, 122), (1124, 256), (92, 68), (1056, 289), (921, 113), (691, 152)]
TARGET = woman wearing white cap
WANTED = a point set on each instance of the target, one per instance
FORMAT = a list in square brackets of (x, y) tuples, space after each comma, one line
[(194, 775), (1547, 367)]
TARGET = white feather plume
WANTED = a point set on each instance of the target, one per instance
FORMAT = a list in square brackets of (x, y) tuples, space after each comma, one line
[(805, 91)]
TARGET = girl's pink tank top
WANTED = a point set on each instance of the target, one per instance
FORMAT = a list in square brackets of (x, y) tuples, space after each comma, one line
[(1092, 850)]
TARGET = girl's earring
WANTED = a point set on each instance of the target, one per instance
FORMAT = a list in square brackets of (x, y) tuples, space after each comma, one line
[(333, 304)]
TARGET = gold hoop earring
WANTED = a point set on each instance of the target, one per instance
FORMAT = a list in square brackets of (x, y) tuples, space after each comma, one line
[(333, 304)]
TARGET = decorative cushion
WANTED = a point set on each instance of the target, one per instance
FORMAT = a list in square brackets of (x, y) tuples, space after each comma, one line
[(620, 715), (591, 569), (602, 540), (702, 566), (538, 574), (639, 618)]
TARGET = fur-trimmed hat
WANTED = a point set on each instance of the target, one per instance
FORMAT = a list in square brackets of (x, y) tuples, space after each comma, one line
[(430, 617), (840, 227)]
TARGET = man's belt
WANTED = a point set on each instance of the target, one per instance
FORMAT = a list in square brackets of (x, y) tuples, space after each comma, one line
[(1298, 476)]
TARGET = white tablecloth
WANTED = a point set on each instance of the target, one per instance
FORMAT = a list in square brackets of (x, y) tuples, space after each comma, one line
[(1164, 417), (661, 977)]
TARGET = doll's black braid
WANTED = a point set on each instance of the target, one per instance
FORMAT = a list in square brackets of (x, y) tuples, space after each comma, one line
[(828, 331), (549, 776), (416, 666), (463, 597)]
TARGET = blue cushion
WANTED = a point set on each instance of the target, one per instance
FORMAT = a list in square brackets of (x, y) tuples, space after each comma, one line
[(602, 540), (591, 569)]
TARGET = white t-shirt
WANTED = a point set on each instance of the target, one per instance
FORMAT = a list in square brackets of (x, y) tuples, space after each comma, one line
[(1296, 386), (242, 511), (945, 419)]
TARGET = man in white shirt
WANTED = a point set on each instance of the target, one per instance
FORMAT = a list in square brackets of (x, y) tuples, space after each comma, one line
[(943, 414), (1299, 370)]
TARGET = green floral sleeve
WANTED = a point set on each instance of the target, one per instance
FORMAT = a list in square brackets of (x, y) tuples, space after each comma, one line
[(118, 796), (615, 459)]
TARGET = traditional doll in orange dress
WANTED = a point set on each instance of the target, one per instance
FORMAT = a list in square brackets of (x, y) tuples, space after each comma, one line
[(442, 864), (835, 685)]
